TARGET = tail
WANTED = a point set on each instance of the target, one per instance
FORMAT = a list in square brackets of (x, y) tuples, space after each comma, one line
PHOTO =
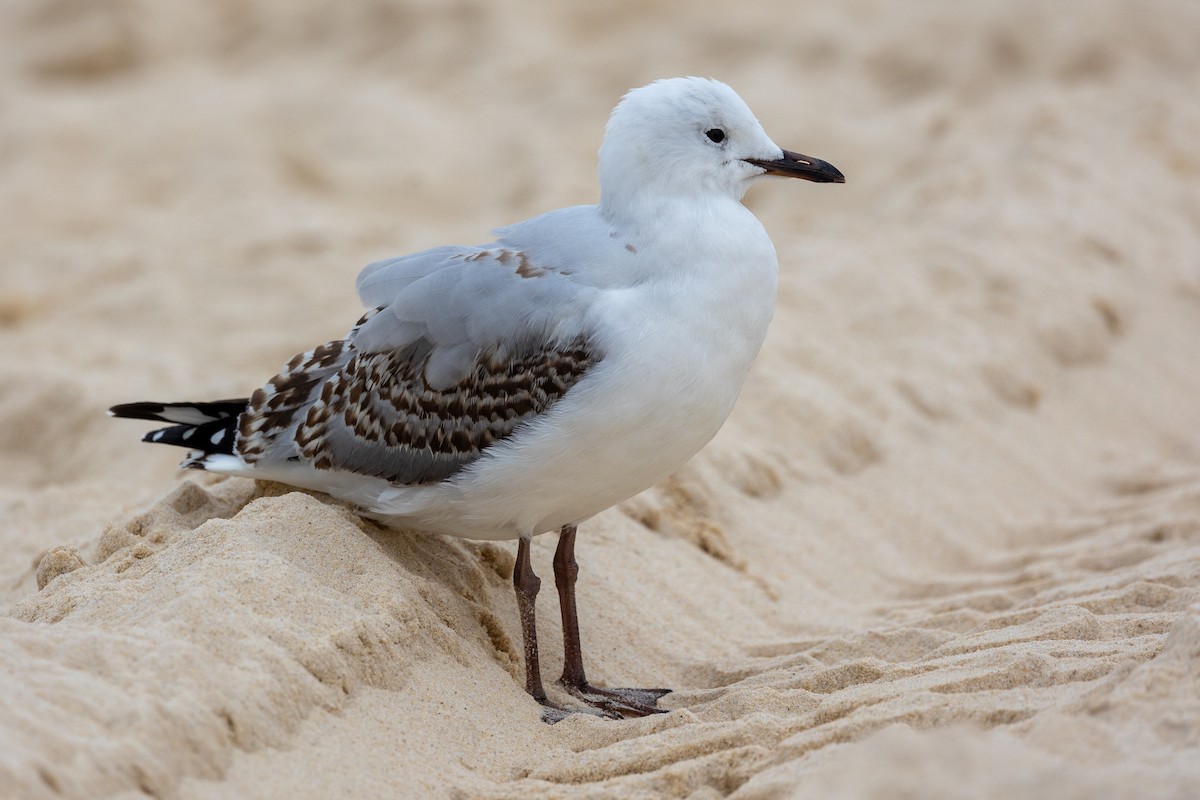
[(210, 428)]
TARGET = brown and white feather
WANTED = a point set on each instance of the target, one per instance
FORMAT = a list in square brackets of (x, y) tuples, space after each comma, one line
[(375, 413)]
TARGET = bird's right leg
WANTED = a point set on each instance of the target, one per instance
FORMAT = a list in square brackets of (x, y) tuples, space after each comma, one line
[(611, 702)]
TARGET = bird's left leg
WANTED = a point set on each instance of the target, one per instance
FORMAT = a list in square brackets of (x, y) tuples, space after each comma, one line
[(527, 584), (627, 702)]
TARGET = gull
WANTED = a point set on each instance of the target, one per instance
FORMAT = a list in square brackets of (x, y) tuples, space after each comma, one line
[(520, 387)]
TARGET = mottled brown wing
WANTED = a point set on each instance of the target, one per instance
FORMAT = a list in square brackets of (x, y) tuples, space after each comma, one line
[(376, 414)]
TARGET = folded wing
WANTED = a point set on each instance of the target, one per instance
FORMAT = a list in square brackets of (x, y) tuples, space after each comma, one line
[(461, 347)]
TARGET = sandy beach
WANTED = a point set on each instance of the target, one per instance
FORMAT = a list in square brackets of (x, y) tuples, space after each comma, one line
[(947, 546)]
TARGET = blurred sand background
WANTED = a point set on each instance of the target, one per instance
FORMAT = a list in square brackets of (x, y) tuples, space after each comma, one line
[(947, 546)]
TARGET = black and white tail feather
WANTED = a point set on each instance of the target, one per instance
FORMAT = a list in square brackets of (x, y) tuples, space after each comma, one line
[(207, 428)]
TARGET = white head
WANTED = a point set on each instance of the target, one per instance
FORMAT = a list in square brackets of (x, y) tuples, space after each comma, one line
[(689, 137)]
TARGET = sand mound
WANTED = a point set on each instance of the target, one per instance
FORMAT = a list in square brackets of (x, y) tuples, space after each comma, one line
[(948, 545)]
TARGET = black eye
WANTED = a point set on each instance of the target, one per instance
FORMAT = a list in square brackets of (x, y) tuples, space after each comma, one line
[(716, 135)]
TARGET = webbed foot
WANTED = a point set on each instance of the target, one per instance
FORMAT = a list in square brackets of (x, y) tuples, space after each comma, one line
[(619, 702)]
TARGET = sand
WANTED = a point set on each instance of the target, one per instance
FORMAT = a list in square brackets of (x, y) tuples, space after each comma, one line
[(948, 545)]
